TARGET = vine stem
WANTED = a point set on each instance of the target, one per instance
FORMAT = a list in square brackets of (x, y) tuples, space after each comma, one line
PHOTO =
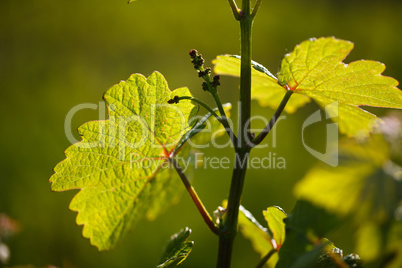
[(228, 232), (197, 201), (245, 73)]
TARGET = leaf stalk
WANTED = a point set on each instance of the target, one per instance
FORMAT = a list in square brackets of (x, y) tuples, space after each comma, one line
[(256, 7), (197, 201), (266, 258), (222, 119), (235, 9), (257, 140), (209, 109)]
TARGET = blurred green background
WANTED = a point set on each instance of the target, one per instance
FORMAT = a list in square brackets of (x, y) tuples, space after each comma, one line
[(57, 54)]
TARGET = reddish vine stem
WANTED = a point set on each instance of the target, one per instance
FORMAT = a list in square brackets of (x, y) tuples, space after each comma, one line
[(197, 201)]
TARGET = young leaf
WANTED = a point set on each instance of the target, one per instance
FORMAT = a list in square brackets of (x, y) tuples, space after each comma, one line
[(177, 249), (120, 164), (264, 86)]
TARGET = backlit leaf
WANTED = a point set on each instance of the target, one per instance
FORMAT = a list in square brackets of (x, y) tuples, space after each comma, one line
[(315, 70), (274, 217), (121, 164)]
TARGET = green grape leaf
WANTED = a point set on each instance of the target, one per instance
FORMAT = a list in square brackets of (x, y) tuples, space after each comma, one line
[(264, 86), (305, 227), (264, 239), (315, 69), (177, 249), (120, 166)]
